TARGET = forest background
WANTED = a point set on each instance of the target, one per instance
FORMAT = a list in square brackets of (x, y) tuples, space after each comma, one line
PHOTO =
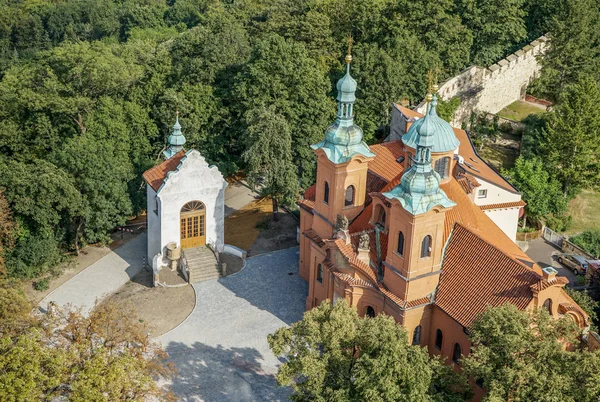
[(89, 90)]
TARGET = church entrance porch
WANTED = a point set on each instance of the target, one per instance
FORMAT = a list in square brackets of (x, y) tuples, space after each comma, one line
[(193, 225)]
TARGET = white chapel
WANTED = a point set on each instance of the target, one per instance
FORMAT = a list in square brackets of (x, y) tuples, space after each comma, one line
[(185, 201)]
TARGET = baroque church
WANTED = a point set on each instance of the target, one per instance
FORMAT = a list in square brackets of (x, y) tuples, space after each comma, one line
[(402, 228), (185, 202)]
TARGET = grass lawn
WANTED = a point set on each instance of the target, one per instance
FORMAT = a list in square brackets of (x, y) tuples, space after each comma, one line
[(585, 210), (519, 110)]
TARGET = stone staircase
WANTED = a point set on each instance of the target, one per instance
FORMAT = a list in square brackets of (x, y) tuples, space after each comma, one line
[(202, 264)]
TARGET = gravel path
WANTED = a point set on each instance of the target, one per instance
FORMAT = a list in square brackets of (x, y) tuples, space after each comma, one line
[(221, 350), (101, 278)]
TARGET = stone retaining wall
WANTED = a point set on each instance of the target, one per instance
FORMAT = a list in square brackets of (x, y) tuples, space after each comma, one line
[(495, 87)]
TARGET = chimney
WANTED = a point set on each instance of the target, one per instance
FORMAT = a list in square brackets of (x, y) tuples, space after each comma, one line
[(549, 273)]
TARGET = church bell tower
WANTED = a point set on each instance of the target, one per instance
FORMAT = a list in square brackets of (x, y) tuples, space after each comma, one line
[(342, 162)]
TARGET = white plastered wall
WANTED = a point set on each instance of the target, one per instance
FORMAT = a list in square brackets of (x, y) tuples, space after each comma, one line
[(152, 216), (193, 180), (506, 219)]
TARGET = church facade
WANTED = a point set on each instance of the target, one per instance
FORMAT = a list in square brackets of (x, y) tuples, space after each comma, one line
[(396, 228), (185, 201)]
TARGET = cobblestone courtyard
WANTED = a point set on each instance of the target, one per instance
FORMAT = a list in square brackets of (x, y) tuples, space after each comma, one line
[(221, 350)]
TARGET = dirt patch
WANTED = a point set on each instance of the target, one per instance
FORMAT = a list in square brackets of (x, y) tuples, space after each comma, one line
[(160, 308), (240, 227), (275, 235)]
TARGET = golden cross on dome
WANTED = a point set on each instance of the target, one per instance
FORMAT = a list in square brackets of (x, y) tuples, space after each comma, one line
[(349, 54), (432, 79)]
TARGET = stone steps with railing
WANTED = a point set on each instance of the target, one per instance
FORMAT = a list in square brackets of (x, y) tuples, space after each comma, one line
[(202, 265)]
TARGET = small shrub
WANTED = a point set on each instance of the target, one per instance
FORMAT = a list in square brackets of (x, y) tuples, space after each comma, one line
[(42, 284), (589, 241), (559, 223)]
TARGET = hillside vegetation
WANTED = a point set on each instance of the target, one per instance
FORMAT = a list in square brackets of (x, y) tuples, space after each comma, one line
[(89, 90)]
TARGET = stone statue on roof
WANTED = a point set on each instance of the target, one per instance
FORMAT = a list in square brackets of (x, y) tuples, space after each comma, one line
[(364, 240), (341, 223)]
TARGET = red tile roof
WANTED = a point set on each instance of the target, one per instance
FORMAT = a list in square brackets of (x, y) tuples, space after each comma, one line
[(411, 114), (477, 166), (503, 205), (156, 176), (475, 275), (385, 164)]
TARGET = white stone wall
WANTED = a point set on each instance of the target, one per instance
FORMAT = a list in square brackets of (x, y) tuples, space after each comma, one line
[(495, 194), (153, 223), (193, 180), (493, 88), (506, 219)]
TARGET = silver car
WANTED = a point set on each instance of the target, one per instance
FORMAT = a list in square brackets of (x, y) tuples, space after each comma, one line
[(576, 263)]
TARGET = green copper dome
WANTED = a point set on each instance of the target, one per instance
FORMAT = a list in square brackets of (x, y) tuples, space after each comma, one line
[(346, 87), (419, 188), (444, 139), (176, 140), (343, 139)]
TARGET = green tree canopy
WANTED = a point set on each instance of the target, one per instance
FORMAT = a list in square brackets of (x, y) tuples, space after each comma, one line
[(333, 354), (280, 74), (520, 356), (542, 193), (269, 156), (574, 51), (496, 25), (570, 143)]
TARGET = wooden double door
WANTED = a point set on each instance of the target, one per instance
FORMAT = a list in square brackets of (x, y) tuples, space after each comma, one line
[(192, 225)]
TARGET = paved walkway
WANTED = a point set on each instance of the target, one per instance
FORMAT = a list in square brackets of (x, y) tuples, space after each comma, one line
[(545, 254), (103, 277), (237, 196), (221, 350)]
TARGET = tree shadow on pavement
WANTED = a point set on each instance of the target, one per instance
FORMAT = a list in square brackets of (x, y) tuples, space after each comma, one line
[(219, 374), (271, 283)]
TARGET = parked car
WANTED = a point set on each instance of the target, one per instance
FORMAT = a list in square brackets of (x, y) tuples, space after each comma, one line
[(576, 263)]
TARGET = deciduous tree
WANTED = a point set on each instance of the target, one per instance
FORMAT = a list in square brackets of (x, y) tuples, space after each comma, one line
[(520, 356), (333, 354), (269, 156), (570, 143)]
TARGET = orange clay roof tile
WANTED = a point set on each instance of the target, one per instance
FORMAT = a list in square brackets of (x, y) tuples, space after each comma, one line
[(476, 275), (156, 175), (385, 164), (503, 205)]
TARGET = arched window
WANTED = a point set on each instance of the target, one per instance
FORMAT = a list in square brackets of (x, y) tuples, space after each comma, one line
[(441, 166), (456, 353), (400, 248), (370, 312), (326, 193), (426, 247), (417, 336), (439, 338), (320, 273), (349, 196), (548, 305)]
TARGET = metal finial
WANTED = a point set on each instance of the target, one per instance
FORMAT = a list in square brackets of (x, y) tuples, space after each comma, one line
[(349, 54)]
